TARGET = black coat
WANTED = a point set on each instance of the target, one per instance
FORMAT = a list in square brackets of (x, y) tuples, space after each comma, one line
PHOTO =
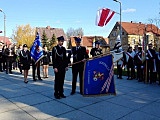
[(78, 55), (59, 58), (96, 52), (46, 57), (25, 59)]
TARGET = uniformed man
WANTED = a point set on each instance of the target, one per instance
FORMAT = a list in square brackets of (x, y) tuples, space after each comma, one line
[(9, 53), (130, 63), (151, 63), (36, 67), (97, 50), (60, 65), (1, 57), (139, 64), (120, 64), (79, 57), (158, 65)]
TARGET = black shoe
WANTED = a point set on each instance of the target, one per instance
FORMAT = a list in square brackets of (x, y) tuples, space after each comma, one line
[(63, 96), (34, 79), (72, 93), (10, 72), (57, 96), (1, 70), (40, 79), (26, 82)]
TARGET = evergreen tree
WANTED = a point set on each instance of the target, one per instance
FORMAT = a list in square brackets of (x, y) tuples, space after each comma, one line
[(52, 42), (44, 38)]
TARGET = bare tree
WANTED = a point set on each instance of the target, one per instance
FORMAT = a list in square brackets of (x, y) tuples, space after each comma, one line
[(74, 32)]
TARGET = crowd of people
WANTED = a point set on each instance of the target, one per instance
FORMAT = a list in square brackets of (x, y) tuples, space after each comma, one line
[(144, 69), (20, 59), (12, 57)]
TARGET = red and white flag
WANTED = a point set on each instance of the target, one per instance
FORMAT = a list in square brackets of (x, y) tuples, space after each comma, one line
[(103, 16)]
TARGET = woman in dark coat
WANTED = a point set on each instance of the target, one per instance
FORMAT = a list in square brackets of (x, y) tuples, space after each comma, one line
[(25, 59), (45, 61)]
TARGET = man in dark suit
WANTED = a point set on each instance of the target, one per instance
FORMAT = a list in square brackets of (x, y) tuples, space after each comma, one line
[(158, 64), (79, 57), (139, 63), (9, 53), (34, 68), (97, 50), (151, 64), (60, 65)]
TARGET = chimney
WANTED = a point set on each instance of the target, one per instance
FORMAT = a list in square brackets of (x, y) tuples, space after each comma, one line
[(48, 27)]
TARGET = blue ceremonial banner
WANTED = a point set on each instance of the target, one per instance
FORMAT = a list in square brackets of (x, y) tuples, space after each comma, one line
[(36, 49), (99, 76)]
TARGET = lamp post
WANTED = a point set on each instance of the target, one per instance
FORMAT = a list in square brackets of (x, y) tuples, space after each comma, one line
[(4, 25), (120, 13)]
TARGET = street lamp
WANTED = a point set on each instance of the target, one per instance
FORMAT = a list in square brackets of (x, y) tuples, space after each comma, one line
[(4, 25), (120, 19)]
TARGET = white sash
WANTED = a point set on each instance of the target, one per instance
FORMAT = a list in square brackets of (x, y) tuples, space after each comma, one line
[(150, 53)]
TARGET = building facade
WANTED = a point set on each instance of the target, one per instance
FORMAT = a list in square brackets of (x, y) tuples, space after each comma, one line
[(133, 34)]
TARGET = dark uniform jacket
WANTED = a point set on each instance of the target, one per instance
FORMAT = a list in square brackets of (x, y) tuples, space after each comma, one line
[(138, 58), (9, 54), (78, 54), (96, 52), (151, 57), (25, 58), (158, 61), (59, 58)]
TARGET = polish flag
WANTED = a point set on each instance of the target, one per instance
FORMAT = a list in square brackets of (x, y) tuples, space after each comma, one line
[(103, 16)]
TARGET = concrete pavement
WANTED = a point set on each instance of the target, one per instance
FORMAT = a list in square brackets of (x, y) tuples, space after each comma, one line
[(35, 100)]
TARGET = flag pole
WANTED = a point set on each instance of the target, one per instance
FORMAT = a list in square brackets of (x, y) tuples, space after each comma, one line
[(145, 49)]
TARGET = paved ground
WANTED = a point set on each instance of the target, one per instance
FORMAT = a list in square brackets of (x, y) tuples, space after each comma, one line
[(35, 101)]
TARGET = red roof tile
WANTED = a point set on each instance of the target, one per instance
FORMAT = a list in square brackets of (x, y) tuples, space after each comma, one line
[(138, 28), (50, 31), (7, 41)]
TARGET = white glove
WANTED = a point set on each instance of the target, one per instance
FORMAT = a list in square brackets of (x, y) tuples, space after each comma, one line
[(142, 67)]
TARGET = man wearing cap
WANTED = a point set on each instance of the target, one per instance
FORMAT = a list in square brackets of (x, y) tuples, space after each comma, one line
[(151, 63), (60, 65), (79, 57), (97, 50)]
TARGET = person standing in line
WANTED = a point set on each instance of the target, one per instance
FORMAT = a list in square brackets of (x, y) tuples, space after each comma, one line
[(79, 55), (9, 53), (120, 64), (25, 60), (36, 67), (4, 57), (151, 64), (139, 63), (158, 65), (97, 50), (45, 61), (130, 63), (1, 57), (60, 65), (18, 58)]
